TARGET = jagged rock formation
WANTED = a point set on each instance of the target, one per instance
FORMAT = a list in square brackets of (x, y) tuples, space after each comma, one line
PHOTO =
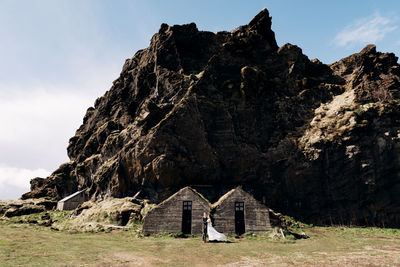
[(13, 208), (314, 141)]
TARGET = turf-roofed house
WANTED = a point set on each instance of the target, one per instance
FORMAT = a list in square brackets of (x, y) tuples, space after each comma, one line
[(236, 212), (181, 212)]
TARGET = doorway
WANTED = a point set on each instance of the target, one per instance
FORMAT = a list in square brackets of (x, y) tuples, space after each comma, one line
[(187, 217), (239, 218)]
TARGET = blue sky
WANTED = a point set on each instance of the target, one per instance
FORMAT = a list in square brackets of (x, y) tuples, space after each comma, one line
[(57, 57)]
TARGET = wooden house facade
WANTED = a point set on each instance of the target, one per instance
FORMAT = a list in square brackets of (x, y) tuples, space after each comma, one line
[(181, 212), (238, 212)]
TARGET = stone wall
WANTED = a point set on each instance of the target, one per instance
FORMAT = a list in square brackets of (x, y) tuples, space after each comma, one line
[(167, 216), (256, 215)]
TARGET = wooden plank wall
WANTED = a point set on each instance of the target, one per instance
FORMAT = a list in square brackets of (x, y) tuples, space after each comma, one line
[(167, 217), (256, 215)]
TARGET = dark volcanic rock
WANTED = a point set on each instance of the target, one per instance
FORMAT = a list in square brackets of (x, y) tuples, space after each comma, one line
[(314, 141), (24, 207), (58, 184)]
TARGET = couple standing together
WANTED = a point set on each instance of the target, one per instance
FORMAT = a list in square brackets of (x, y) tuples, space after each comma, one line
[(213, 235)]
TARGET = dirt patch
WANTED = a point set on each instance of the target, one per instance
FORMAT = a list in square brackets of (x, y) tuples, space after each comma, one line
[(127, 259), (245, 262)]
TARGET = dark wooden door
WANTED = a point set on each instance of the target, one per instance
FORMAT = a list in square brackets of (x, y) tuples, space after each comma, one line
[(187, 217), (239, 218)]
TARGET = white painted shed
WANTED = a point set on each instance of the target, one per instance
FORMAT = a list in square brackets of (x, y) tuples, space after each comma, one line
[(72, 201)]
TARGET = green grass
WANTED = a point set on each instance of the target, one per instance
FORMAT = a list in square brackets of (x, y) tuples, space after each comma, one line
[(33, 245), (364, 231), (60, 216)]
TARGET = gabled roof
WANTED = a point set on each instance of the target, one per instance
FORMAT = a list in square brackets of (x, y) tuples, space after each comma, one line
[(185, 188), (71, 196), (227, 195)]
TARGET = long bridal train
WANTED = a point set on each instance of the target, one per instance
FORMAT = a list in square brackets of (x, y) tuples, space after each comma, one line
[(214, 235)]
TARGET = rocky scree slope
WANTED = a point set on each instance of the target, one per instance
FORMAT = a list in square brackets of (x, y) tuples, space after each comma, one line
[(318, 142)]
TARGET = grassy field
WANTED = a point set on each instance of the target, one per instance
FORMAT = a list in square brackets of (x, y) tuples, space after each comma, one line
[(33, 245)]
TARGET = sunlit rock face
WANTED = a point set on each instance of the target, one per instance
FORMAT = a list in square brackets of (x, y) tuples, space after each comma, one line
[(318, 142)]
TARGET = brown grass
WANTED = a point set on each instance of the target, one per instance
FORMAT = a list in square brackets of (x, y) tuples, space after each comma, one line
[(30, 245)]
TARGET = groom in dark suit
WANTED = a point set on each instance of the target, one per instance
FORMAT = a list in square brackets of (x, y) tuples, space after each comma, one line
[(204, 236)]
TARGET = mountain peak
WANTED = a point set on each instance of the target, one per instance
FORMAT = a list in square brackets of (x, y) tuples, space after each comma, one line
[(225, 109)]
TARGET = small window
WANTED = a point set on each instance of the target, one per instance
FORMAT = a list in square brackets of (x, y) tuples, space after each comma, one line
[(239, 206), (187, 205)]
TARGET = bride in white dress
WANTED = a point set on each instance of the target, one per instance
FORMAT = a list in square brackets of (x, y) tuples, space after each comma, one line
[(214, 235)]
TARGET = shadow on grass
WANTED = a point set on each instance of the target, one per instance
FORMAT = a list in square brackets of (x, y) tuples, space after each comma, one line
[(215, 241)]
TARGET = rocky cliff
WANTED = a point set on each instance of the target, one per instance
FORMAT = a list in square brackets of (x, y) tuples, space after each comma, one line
[(318, 142)]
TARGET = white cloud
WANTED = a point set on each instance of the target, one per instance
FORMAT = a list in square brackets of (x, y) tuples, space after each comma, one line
[(366, 30), (14, 181), (36, 124), (39, 112), (56, 59)]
